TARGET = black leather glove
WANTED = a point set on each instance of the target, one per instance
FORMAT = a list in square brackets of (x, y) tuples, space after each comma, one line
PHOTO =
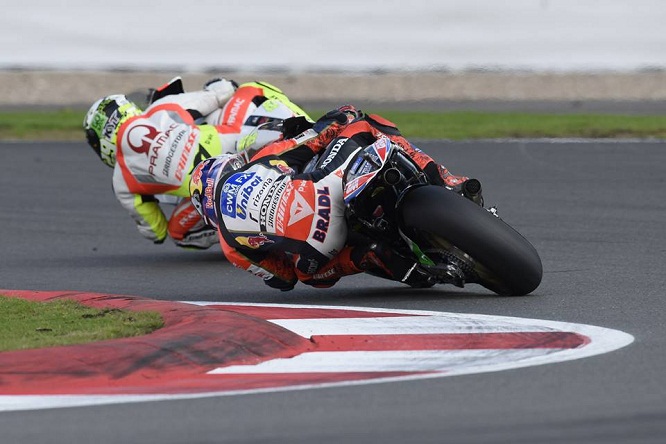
[(341, 116), (293, 126)]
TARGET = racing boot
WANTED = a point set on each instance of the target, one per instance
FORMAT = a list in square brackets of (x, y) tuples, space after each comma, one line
[(381, 261)]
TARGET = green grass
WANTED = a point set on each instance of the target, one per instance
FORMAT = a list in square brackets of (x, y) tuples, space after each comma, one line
[(457, 125), (476, 125), (28, 324), (42, 125)]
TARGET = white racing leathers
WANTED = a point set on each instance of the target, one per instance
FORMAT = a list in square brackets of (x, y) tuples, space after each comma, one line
[(157, 151)]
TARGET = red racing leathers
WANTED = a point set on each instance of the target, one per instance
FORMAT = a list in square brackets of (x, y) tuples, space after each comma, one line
[(286, 226)]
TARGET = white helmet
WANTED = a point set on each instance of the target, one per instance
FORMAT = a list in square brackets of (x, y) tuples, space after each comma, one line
[(102, 122), (264, 125)]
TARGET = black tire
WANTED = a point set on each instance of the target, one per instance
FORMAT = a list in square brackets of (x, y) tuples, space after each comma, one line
[(512, 264)]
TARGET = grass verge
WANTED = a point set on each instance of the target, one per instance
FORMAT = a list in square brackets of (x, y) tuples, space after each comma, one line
[(66, 125), (28, 324)]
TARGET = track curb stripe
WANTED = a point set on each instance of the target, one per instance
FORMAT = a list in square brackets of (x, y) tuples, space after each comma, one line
[(193, 339), (211, 349)]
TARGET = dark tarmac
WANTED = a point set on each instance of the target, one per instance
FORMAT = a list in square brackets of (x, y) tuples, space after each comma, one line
[(595, 211)]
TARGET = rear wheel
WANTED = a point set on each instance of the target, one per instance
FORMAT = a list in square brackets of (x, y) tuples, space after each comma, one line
[(502, 259)]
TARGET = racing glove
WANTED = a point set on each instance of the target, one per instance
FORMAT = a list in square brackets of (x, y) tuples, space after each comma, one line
[(148, 216), (222, 88), (293, 126), (340, 116), (440, 175)]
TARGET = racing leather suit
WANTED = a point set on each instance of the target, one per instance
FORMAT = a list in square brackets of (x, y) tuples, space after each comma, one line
[(157, 150), (286, 226)]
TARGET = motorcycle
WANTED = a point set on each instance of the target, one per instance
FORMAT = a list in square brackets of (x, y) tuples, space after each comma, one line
[(452, 239)]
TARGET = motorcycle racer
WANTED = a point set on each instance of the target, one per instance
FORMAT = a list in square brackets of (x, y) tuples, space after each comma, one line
[(153, 151), (285, 225)]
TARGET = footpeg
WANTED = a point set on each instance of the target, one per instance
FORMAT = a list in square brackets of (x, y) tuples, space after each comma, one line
[(446, 274)]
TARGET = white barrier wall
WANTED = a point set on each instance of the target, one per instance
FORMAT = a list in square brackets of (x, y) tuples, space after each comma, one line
[(337, 35)]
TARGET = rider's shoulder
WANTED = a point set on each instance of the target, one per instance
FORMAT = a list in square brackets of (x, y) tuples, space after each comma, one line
[(382, 123)]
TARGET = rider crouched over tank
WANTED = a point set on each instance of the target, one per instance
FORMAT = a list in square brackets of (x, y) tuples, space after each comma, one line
[(153, 151), (286, 225)]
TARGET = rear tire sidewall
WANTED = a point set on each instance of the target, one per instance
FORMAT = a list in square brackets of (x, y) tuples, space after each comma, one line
[(511, 259)]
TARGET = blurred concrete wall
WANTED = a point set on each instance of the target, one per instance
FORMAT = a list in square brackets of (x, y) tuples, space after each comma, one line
[(340, 35), (74, 51)]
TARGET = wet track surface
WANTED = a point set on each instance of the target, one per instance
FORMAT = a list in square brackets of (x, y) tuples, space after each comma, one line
[(595, 211)]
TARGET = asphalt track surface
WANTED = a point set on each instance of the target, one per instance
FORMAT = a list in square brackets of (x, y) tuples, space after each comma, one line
[(594, 210)]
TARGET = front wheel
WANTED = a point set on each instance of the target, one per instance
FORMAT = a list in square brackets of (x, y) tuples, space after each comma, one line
[(501, 258)]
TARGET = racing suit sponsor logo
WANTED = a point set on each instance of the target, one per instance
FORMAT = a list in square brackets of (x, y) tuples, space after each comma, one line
[(269, 223), (208, 192), (263, 202), (182, 162), (235, 109), (142, 137), (352, 186), (324, 213), (313, 266), (282, 166), (245, 194), (253, 242), (258, 271), (300, 208), (288, 187), (148, 140), (256, 201), (232, 189), (111, 125), (331, 272), (172, 151), (334, 151), (270, 205)]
